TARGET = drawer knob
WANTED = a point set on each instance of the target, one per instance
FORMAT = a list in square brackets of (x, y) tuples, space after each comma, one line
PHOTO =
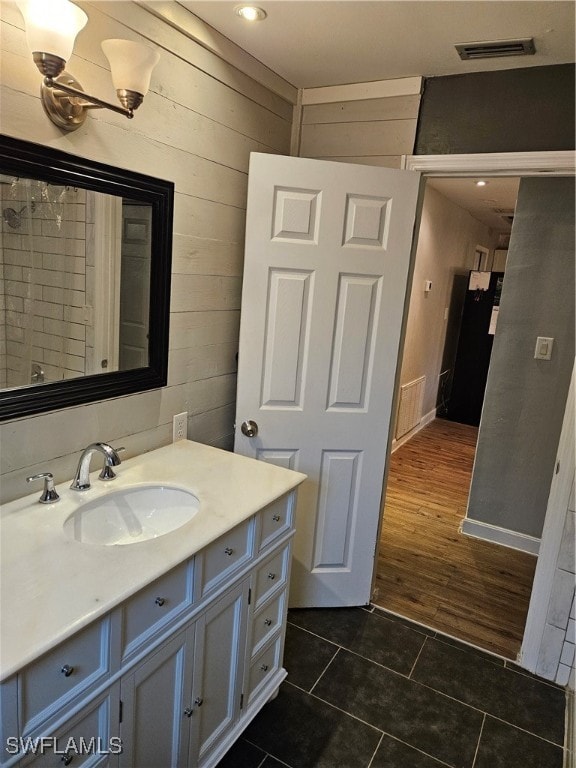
[(67, 670), (228, 551), (276, 518), (198, 701), (160, 600), (264, 667), (67, 758), (188, 712), (271, 576), (268, 622)]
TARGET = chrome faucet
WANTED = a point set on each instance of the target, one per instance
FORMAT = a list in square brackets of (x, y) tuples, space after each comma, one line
[(81, 480)]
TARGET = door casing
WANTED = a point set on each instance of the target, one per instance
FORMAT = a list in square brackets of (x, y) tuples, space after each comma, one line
[(556, 163)]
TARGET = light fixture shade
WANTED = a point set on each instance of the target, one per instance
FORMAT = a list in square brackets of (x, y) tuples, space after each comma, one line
[(131, 64), (52, 25)]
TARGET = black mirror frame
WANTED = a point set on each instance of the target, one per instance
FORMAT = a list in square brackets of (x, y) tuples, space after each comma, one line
[(24, 159)]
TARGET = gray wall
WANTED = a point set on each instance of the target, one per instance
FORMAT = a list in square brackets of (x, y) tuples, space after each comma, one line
[(525, 398), (514, 110)]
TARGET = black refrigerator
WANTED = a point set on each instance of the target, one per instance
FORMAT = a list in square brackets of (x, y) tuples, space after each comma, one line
[(479, 318)]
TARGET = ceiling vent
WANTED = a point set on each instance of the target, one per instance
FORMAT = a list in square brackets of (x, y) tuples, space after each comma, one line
[(492, 50), (505, 213)]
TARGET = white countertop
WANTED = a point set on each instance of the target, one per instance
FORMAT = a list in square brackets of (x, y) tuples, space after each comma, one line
[(52, 586)]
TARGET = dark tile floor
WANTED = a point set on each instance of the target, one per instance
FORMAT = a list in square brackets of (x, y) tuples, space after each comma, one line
[(367, 689)]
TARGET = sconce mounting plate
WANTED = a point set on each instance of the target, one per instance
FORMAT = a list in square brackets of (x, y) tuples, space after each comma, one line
[(60, 107)]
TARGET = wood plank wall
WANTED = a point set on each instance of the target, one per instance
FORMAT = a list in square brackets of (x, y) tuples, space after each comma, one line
[(373, 131), (196, 127)]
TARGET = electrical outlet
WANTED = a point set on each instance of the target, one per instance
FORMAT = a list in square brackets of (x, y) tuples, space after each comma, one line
[(180, 426)]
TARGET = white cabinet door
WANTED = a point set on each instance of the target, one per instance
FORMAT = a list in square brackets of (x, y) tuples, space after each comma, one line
[(155, 726), (328, 249), (218, 670), (89, 739)]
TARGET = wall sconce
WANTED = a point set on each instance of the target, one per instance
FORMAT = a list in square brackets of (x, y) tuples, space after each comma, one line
[(51, 29)]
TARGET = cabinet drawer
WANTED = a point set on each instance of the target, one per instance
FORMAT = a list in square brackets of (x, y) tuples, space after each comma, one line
[(155, 606), (71, 669), (225, 556), (85, 740), (271, 576), (274, 520), (267, 621), (263, 668)]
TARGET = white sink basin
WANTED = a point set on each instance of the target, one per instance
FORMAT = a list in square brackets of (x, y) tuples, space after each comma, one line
[(131, 515)]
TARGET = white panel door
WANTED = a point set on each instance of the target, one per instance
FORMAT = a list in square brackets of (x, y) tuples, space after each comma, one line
[(326, 267)]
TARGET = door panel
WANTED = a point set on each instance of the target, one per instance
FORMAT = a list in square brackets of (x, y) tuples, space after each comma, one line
[(326, 267), (220, 639), (155, 694), (357, 307), (287, 323)]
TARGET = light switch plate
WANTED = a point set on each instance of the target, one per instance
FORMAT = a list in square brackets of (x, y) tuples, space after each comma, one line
[(543, 349)]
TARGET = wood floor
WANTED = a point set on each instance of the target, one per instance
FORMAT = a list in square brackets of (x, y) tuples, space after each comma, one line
[(427, 570)]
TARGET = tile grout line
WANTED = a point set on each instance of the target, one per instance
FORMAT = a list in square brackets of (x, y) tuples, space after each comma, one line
[(524, 730), (339, 709), (266, 755), (376, 750), (416, 749), (323, 671), (416, 660), (478, 742)]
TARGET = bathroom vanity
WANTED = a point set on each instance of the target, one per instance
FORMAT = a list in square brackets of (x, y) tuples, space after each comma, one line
[(155, 653)]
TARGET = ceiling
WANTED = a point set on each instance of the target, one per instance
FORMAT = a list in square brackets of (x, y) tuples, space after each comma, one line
[(314, 43), (492, 204)]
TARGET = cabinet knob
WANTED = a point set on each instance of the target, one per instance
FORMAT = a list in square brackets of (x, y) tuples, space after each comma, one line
[(198, 701), (276, 518), (160, 600), (67, 758), (188, 711), (228, 551), (264, 667), (67, 670), (268, 622), (271, 576)]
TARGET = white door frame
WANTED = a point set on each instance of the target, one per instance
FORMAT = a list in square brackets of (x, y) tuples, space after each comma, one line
[(107, 253), (558, 501), (557, 163)]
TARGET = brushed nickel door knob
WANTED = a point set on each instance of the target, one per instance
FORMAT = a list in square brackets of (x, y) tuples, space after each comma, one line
[(249, 428)]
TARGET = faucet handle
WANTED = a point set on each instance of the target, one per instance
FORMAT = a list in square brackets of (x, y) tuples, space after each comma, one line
[(49, 495), (107, 471)]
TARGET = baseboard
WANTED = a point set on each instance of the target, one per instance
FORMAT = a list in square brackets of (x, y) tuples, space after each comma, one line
[(502, 536), (424, 421)]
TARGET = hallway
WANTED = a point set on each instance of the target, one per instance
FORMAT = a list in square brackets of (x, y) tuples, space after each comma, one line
[(428, 571)]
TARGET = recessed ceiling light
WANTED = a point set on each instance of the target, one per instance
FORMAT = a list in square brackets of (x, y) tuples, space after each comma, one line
[(481, 183), (250, 12)]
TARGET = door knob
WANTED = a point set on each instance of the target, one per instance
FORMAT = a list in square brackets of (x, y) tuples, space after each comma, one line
[(249, 428)]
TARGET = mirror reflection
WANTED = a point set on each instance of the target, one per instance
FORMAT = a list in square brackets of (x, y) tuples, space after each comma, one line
[(75, 270)]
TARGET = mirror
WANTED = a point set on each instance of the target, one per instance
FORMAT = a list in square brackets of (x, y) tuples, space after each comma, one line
[(85, 262)]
